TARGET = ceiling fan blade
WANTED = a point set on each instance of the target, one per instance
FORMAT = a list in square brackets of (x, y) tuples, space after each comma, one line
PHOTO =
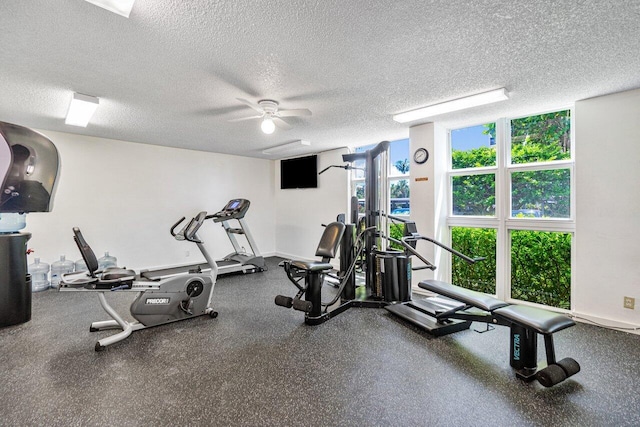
[(294, 112), (250, 104), (245, 118), (281, 123)]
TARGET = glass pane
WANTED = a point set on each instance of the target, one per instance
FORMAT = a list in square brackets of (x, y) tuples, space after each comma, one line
[(358, 191), (541, 267), (473, 147), (396, 230), (474, 195), (400, 197), (541, 138), (541, 194), (360, 164), (399, 157), (474, 242)]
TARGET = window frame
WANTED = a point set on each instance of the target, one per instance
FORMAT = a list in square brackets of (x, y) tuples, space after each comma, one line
[(390, 178), (503, 222)]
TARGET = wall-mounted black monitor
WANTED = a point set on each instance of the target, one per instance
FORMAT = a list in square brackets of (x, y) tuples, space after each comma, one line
[(301, 172)]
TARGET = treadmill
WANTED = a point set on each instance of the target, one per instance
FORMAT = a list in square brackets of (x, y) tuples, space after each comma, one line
[(237, 261)]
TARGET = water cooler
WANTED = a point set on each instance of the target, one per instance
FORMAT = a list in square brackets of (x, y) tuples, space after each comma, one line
[(29, 165)]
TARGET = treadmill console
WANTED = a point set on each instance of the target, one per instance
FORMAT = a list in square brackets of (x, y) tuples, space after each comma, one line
[(235, 209)]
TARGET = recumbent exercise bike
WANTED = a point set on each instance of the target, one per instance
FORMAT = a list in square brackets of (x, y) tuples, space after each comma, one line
[(157, 303)]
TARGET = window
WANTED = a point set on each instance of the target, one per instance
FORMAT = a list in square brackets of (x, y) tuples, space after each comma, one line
[(511, 188), (474, 194), (480, 276), (473, 157), (398, 177), (541, 194), (473, 147), (541, 267)]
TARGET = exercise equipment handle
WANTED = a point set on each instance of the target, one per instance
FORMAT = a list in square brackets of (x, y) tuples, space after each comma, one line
[(366, 230), (189, 232), (175, 225), (398, 219), (447, 248), (409, 248), (424, 267), (188, 235), (345, 167)]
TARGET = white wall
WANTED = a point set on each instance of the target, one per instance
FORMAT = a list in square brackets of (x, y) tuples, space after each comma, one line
[(607, 243), (428, 197), (125, 196), (300, 212)]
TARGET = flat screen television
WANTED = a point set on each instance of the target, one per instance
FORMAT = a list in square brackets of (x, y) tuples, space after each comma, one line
[(301, 172)]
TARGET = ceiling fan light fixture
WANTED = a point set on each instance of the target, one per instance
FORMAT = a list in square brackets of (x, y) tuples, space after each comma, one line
[(453, 105), (268, 126)]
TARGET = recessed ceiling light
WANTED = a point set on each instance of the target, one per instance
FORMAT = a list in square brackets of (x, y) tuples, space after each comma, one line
[(81, 109), (121, 7), (454, 105), (287, 147)]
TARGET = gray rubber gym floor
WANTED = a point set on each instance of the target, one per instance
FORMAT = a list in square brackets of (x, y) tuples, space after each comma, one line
[(257, 364)]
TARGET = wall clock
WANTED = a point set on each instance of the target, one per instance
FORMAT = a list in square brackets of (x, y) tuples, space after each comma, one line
[(420, 156)]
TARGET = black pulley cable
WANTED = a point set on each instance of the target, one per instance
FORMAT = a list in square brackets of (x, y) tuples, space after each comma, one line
[(351, 267)]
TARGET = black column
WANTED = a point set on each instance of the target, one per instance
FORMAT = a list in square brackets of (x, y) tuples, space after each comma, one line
[(15, 283)]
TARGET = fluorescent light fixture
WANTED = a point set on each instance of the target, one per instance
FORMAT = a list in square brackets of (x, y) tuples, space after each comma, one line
[(454, 105), (81, 109), (268, 126), (121, 7), (286, 147)]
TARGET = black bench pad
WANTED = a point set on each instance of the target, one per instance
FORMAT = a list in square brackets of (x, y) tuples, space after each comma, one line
[(543, 321), (311, 266), (467, 296)]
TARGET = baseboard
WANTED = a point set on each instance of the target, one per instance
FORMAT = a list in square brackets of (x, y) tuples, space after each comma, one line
[(606, 323)]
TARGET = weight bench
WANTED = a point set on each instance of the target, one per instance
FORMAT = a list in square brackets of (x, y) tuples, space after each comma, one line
[(525, 323)]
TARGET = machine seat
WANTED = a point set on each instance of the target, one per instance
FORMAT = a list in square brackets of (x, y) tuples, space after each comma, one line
[(467, 296), (312, 266), (542, 321), (108, 279), (115, 273)]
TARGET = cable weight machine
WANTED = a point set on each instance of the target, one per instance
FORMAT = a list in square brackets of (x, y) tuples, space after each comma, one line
[(371, 273), (386, 273)]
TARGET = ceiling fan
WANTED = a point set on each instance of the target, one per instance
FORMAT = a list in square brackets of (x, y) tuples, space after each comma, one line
[(271, 115)]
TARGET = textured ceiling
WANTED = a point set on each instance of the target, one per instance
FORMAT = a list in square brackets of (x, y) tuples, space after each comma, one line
[(171, 73)]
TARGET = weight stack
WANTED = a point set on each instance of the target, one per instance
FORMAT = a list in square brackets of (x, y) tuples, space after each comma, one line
[(393, 276)]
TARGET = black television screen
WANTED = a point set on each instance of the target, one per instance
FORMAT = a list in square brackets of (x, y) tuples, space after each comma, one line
[(301, 172)]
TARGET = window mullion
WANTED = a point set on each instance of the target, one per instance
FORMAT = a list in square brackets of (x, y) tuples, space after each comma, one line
[(503, 197)]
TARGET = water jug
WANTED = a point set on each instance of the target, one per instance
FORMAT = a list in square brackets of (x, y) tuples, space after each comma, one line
[(80, 265), (59, 268), (39, 275), (107, 261), (12, 222)]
